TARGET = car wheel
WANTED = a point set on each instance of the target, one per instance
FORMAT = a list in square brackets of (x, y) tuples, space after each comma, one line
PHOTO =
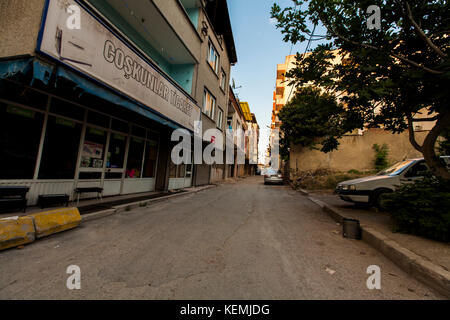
[(376, 199)]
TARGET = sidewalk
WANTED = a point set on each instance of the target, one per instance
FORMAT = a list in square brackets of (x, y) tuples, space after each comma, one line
[(95, 207), (426, 259)]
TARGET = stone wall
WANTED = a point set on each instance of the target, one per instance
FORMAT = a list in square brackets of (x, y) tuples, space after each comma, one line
[(356, 152)]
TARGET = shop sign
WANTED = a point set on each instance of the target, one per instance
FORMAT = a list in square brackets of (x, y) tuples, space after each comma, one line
[(94, 50)]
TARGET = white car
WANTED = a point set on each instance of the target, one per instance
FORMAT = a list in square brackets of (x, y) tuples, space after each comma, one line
[(369, 189)]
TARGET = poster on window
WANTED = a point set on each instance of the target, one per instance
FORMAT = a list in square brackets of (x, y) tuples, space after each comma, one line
[(92, 150)]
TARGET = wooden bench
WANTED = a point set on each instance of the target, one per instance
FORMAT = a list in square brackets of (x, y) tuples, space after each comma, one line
[(47, 200), (14, 197), (97, 190)]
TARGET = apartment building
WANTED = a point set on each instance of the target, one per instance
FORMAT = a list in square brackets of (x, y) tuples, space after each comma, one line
[(236, 128), (251, 140), (91, 91)]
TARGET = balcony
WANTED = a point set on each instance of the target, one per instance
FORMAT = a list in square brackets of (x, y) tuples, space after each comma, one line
[(142, 24)]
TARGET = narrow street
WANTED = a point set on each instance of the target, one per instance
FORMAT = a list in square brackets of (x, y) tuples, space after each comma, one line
[(248, 241)]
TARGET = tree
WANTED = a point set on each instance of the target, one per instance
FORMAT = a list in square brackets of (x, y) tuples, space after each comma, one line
[(444, 145), (312, 119), (390, 77)]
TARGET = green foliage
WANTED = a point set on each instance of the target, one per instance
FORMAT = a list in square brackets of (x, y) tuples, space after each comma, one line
[(422, 208), (312, 119), (322, 179), (381, 153), (394, 70)]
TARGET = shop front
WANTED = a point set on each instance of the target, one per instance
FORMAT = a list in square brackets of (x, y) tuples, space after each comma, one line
[(72, 118), (54, 146)]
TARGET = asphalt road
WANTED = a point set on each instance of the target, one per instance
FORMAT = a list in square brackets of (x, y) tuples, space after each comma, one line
[(240, 240)]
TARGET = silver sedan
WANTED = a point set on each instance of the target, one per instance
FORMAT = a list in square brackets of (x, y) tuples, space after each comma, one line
[(273, 177)]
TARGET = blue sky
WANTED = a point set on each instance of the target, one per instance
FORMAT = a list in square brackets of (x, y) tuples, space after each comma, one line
[(260, 48)]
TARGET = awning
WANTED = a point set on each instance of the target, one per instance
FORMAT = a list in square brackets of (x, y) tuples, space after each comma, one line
[(30, 69)]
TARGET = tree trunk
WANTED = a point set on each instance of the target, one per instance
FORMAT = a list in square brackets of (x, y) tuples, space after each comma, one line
[(428, 148)]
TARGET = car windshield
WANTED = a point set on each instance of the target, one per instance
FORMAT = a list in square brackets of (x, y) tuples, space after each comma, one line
[(396, 169), (272, 172)]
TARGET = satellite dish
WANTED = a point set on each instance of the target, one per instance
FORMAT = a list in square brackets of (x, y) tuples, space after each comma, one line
[(233, 85)]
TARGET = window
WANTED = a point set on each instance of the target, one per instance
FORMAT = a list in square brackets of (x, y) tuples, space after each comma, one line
[(23, 95), (135, 157), (59, 156), (213, 57), (209, 104), (172, 170), (230, 123), (151, 154), (418, 170), (120, 126), (223, 80), (220, 118), (116, 152), (20, 134), (94, 148), (66, 109), (98, 119)]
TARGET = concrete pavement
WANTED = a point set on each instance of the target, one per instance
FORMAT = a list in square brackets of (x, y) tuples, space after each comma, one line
[(240, 240)]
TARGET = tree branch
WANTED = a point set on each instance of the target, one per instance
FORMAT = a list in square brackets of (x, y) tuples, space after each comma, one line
[(421, 33), (368, 46), (412, 137)]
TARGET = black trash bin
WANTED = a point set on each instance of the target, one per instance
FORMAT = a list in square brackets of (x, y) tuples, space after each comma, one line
[(351, 229)]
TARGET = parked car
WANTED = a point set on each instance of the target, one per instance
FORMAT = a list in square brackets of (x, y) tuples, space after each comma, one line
[(369, 189), (272, 176)]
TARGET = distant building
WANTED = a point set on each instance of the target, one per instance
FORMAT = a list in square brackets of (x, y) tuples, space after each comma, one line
[(236, 127), (251, 140)]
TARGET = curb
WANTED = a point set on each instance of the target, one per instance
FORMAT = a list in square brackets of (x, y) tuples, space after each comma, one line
[(132, 205), (413, 264), (18, 231)]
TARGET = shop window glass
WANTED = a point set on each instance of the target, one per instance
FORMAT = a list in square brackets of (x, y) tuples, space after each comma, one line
[(116, 153), (119, 126), (172, 170), (152, 136), (151, 153), (138, 131), (181, 170), (98, 119), (135, 154), (67, 109), (20, 134), (93, 150), (23, 95), (62, 141)]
